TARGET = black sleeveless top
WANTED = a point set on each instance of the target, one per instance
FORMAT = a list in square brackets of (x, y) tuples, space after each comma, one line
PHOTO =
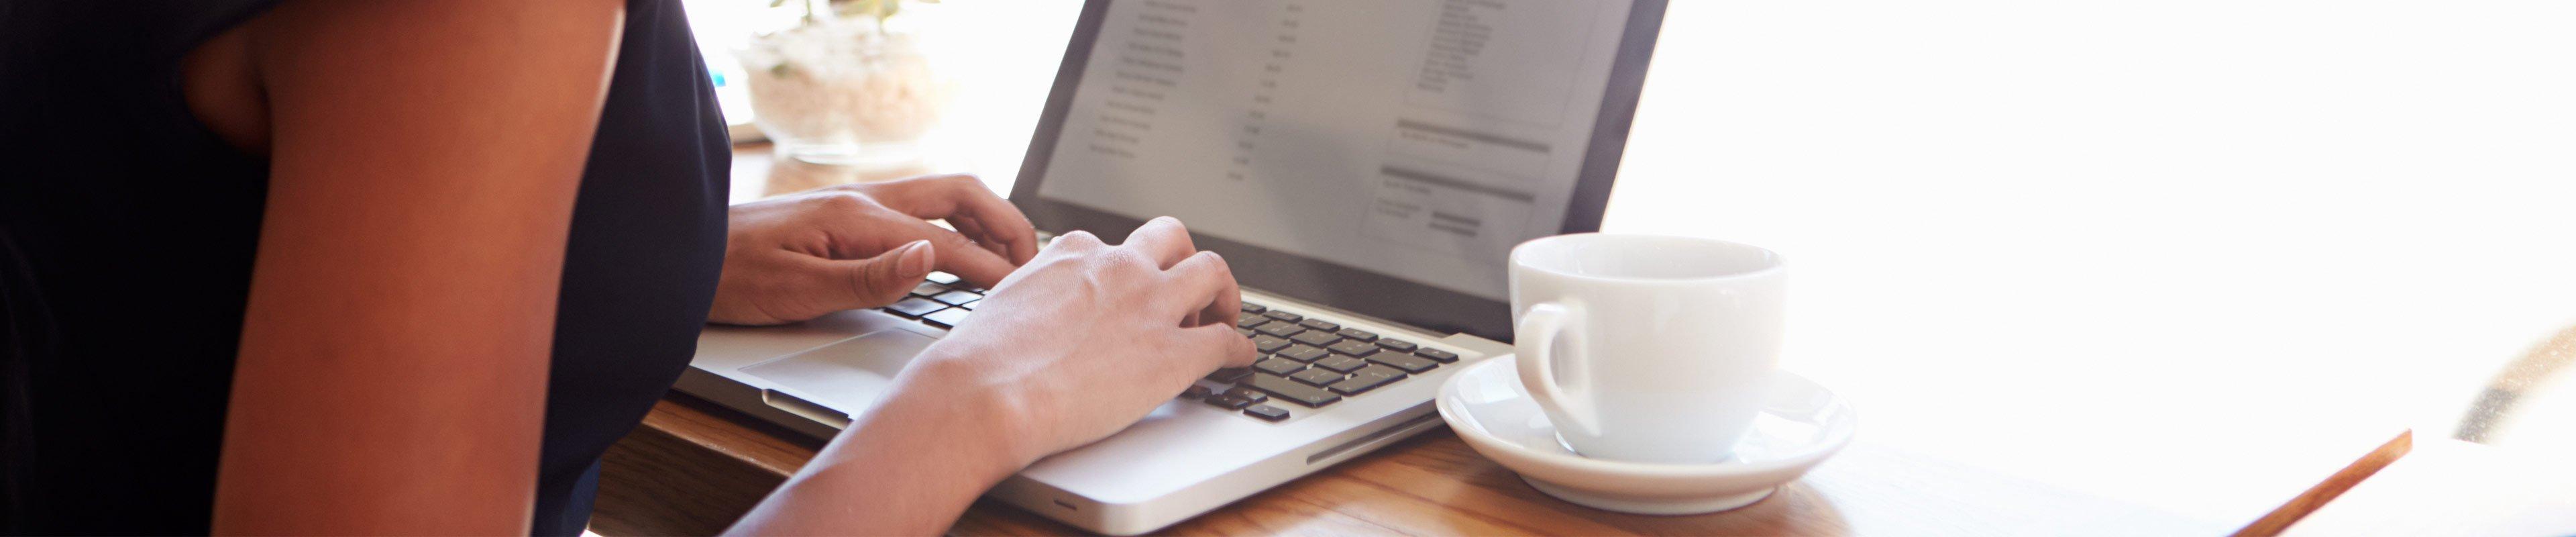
[(126, 238)]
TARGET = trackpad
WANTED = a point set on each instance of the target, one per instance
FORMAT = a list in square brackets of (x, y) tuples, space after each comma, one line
[(847, 376)]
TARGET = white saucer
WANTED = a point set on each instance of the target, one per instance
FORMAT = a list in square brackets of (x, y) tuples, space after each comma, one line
[(1801, 424)]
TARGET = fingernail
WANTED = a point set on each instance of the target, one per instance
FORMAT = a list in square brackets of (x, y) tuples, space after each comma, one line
[(916, 258)]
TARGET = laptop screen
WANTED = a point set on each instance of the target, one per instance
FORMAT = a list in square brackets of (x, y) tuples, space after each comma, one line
[(1362, 148)]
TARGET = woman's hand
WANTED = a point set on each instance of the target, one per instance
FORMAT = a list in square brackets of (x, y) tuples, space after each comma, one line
[(862, 246), (1090, 337), (1082, 342)]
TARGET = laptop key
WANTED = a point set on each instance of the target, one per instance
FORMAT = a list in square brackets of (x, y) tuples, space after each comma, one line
[(1304, 353), (1266, 412), (943, 278), (1249, 307), (1344, 364), (1320, 324), (1317, 338), (1292, 391), (1317, 376), (1267, 344), (1279, 366), (1249, 321), (927, 289), (914, 307), (1354, 348), (1380, 371), (947, 318), (1247, 332), (1437, 354), (970, 304), (1285, 316), (1360, 383), (1247, 394), (1397, 344), (1228, 402), (1279, 329), (1196, 392), (956, 297), (1228, 374), (1407, 362), (1354, 333)]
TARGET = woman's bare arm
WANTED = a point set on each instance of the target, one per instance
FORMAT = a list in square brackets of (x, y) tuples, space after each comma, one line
[(394, 354)]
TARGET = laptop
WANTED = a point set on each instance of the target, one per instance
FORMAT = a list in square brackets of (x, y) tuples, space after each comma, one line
[(1364, 167)]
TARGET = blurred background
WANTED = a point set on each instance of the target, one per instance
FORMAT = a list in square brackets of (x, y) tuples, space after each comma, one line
[(2125, 248)]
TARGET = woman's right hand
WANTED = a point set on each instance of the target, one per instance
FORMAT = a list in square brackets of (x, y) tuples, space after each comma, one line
[(1082, 341), (1089, 337)]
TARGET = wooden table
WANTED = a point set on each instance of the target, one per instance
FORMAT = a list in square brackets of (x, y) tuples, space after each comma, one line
[(694, 467)]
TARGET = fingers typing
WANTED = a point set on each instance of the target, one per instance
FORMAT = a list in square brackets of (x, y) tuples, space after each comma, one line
[(1221, 346), (966, 203), (1163, 239), (957, 254), (884, 279), (1204, 285)]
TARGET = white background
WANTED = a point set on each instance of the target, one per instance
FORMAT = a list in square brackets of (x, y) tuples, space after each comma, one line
[(2092, 243), (2142, 250)]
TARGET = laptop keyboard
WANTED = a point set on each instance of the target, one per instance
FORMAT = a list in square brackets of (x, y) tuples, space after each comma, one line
[(943, 301), (1305, 363), (1311, 363)]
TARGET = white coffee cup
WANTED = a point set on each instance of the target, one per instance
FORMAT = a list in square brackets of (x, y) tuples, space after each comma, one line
[(1646, 348)]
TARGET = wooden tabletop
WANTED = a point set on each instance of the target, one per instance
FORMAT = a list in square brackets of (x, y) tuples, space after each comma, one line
[(694, 467)]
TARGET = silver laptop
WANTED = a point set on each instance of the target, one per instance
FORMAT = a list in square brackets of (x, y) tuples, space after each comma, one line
[(1365, 167)]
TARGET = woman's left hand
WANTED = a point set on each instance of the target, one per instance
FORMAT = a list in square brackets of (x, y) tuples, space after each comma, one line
[(800, 256)]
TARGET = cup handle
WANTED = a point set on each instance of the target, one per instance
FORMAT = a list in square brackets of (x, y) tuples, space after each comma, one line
[(1538, 330)]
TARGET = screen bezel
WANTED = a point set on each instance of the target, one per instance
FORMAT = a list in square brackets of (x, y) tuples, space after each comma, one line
[(1325, 282)]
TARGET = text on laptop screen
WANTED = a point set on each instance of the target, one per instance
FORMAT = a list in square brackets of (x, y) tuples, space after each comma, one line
[(1417, 139)]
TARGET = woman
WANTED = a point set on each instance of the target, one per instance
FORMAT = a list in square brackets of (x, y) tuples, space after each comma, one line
[(317, 266)]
